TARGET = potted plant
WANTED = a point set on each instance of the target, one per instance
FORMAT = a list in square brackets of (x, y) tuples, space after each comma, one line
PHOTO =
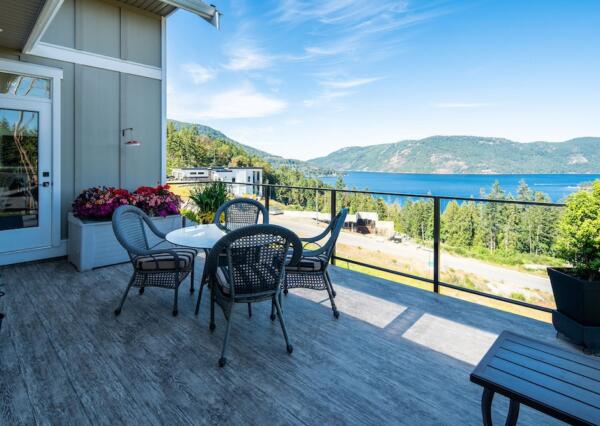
[(204, 202), (577, 289), (92, 242)]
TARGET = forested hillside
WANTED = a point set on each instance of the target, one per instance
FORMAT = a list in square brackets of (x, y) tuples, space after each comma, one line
[(469, 154), (275, 160)]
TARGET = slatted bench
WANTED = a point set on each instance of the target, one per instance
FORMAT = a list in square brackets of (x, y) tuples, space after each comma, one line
[(560, 383)]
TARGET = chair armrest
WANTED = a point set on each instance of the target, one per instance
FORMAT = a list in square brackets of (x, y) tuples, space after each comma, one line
[(317, 237)]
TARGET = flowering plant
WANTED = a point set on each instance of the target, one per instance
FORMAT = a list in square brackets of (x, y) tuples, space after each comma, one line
[(156, 201), (99, 202)]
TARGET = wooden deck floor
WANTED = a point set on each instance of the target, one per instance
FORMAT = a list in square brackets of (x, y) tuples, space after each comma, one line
[(397, 355)]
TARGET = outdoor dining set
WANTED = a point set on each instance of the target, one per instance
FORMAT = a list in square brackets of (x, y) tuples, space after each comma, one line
[(247, 261)]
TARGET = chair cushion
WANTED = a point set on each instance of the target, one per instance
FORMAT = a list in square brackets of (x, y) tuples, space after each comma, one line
[(308, 264), (165, 261), (222, 279)]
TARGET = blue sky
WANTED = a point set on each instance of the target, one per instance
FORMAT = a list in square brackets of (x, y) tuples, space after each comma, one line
[(302, 78)]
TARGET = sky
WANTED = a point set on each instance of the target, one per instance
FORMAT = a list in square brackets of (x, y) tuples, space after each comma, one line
[(302, 78)]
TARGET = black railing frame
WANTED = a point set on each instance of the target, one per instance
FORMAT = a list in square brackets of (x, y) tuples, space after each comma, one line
[(437, 203)]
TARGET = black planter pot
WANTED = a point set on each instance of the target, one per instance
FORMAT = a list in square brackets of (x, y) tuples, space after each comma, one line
[(577, 314)]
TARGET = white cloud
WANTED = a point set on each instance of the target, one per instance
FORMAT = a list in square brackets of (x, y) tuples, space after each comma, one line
[(241, 102), (348, 84), (199, 73), (449, 105), (325, 98), (247, 58)]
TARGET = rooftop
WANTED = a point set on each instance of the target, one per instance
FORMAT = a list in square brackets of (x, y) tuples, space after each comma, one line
[(397, 355)]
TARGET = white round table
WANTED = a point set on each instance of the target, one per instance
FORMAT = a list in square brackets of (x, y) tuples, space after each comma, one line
[(200, 236)]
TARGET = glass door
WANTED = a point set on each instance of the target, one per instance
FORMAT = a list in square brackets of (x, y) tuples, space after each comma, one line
[(25, 186)]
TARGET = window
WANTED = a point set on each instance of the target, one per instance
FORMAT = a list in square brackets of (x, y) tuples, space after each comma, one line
[(23, 85)]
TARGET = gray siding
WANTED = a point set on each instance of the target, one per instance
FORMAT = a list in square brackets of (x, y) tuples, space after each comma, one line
[(97, 103), (62, 28), (97, 28), (97, 126), (140, 109), (106, 28), (140, 38)]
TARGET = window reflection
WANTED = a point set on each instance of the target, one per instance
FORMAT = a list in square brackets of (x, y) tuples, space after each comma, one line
[(23, 85), (18, 169)]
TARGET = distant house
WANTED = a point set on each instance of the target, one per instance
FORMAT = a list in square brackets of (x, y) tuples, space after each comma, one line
[(248, 179), (191, 173)]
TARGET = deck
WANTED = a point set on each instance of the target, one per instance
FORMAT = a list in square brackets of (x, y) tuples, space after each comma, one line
[(397, 355)]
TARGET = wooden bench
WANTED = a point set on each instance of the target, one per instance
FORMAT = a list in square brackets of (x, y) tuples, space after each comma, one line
[(560, 383)]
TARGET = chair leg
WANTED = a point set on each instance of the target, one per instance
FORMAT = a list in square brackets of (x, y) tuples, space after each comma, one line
[(277, 303), (175, 311), (249, 310), (192, 276), (330, 284), (212, 325), (118, 310), (329, 288), (223, 359), (199, 298), (273, 316)]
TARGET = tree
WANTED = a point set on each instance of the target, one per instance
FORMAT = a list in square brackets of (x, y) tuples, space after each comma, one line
[(579, 232)]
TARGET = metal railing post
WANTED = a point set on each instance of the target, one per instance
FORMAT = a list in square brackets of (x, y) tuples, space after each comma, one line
[(267, 195), (333, 208), (436, 244)]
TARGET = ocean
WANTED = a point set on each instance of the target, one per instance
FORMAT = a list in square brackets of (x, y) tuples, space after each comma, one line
[(557, 186)]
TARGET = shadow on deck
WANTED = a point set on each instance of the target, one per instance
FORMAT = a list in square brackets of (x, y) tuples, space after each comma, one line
[(397, 355)]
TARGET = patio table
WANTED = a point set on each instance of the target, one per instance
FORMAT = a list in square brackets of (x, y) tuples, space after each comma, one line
[(202, 237)]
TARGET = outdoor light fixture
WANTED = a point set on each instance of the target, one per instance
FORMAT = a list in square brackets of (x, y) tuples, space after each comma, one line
[(131, 141)]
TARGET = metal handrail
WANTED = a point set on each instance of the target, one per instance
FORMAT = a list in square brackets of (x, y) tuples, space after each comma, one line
[(435, 281)]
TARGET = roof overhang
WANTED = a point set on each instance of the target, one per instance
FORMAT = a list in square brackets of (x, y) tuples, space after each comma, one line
[(207, 12), (25, 21)]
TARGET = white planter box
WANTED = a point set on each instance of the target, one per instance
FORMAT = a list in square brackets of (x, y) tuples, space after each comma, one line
[(93, 244)]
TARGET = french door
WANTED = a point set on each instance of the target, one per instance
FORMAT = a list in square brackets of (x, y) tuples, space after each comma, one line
[(25, 174)]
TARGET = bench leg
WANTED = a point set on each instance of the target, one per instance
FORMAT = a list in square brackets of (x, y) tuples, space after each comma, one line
[(486, 406), (513, 413), (486, 409)]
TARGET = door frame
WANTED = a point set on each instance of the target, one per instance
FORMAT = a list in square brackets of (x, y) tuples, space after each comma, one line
[(55, 76)]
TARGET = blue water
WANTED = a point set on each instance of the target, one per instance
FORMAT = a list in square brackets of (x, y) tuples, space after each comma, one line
[(557, 186)]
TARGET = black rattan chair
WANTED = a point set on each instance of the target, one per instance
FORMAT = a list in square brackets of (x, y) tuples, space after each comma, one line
[(239, 213), (311, 270), (253, 272), (152, 266)]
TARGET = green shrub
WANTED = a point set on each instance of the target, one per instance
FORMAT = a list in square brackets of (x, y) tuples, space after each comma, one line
[(206, 200), (579, 232)]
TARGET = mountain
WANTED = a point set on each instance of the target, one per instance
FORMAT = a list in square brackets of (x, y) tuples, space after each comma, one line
[(469, 154), (275, 160)]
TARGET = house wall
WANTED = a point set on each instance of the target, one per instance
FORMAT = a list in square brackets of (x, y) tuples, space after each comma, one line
[(98, 103)]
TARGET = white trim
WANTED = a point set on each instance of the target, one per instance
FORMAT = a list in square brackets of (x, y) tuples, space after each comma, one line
[(30, 69), (56, 167), (41, 24), (81, 57), (34, 254), (163, 101)]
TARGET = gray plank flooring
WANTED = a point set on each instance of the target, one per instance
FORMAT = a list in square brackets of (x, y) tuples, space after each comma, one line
[(397, 355)]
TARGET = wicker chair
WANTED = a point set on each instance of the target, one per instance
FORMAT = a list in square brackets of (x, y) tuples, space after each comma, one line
[(237, 213), (240, 212), (311, 270), (152, 266), (253, 272)]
